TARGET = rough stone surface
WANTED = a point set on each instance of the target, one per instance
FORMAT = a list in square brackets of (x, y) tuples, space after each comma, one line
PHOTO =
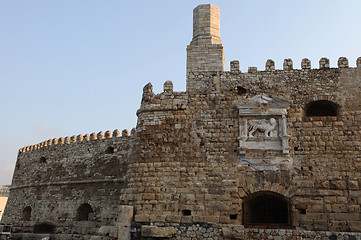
[(198, 158), (154, 231)]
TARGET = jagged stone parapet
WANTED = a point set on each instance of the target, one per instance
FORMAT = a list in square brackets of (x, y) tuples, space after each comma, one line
[(147, 93), (125, 133), (168, 87), (270, 65), (93, 136), (288, 64), (148, 89), (116, 133), (342, 62), (80, 138), (108, 134), (234, 66), (87, 137), (252, 69), (358, 62), (100, 135), (77, 139), (133, 131), (306, 63), (324, 63)]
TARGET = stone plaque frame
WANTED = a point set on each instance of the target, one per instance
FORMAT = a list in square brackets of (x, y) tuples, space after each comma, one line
[(263, 125)]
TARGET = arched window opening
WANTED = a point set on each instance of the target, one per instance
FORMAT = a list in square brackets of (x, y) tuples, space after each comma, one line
[(26, 214), (44, 228), (84, 213), (321, 108), (266, 209), (241, 90), (109, 150)]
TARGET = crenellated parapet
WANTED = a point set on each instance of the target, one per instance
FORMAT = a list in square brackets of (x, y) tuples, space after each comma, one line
[(168, 100), (79, 139), (324, 64)]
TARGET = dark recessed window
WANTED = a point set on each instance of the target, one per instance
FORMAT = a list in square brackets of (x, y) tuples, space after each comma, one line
[(44, 228), (42, 160), (321, 108), (266, 209), (84, 212), (241, 90), (26, 214), (302, 211), (233, 216), (109, 150), (186, 212)]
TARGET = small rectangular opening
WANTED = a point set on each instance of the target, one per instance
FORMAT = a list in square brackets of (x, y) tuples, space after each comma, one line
[(233, 216), (302, 211), (186, 212)]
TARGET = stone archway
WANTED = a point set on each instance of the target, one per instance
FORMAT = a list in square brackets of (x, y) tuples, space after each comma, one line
[(266, 209)]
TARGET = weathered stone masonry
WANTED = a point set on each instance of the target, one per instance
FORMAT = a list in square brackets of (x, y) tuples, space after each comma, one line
[(264, 154)]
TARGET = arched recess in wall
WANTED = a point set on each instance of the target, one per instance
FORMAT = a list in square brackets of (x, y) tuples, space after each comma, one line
[(26, 214), (44, 228), (322, 108), (84, 212), (266, 209)]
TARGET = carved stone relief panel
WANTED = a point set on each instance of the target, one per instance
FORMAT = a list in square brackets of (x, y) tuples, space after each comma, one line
[(263, 127)]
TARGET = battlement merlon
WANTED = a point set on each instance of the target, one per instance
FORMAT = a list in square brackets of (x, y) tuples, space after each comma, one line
[(205, 52)]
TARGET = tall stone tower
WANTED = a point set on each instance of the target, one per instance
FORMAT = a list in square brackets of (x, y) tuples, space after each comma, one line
[(205, 52)]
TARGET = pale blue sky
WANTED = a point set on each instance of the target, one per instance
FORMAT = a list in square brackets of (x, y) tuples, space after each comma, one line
[(69, 67)]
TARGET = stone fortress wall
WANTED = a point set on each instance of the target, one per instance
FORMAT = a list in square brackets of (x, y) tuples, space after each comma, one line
[(53, 179), (202, 162)]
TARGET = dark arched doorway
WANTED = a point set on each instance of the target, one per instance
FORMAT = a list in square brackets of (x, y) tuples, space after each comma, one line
[(84, 212), (266, 209)]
